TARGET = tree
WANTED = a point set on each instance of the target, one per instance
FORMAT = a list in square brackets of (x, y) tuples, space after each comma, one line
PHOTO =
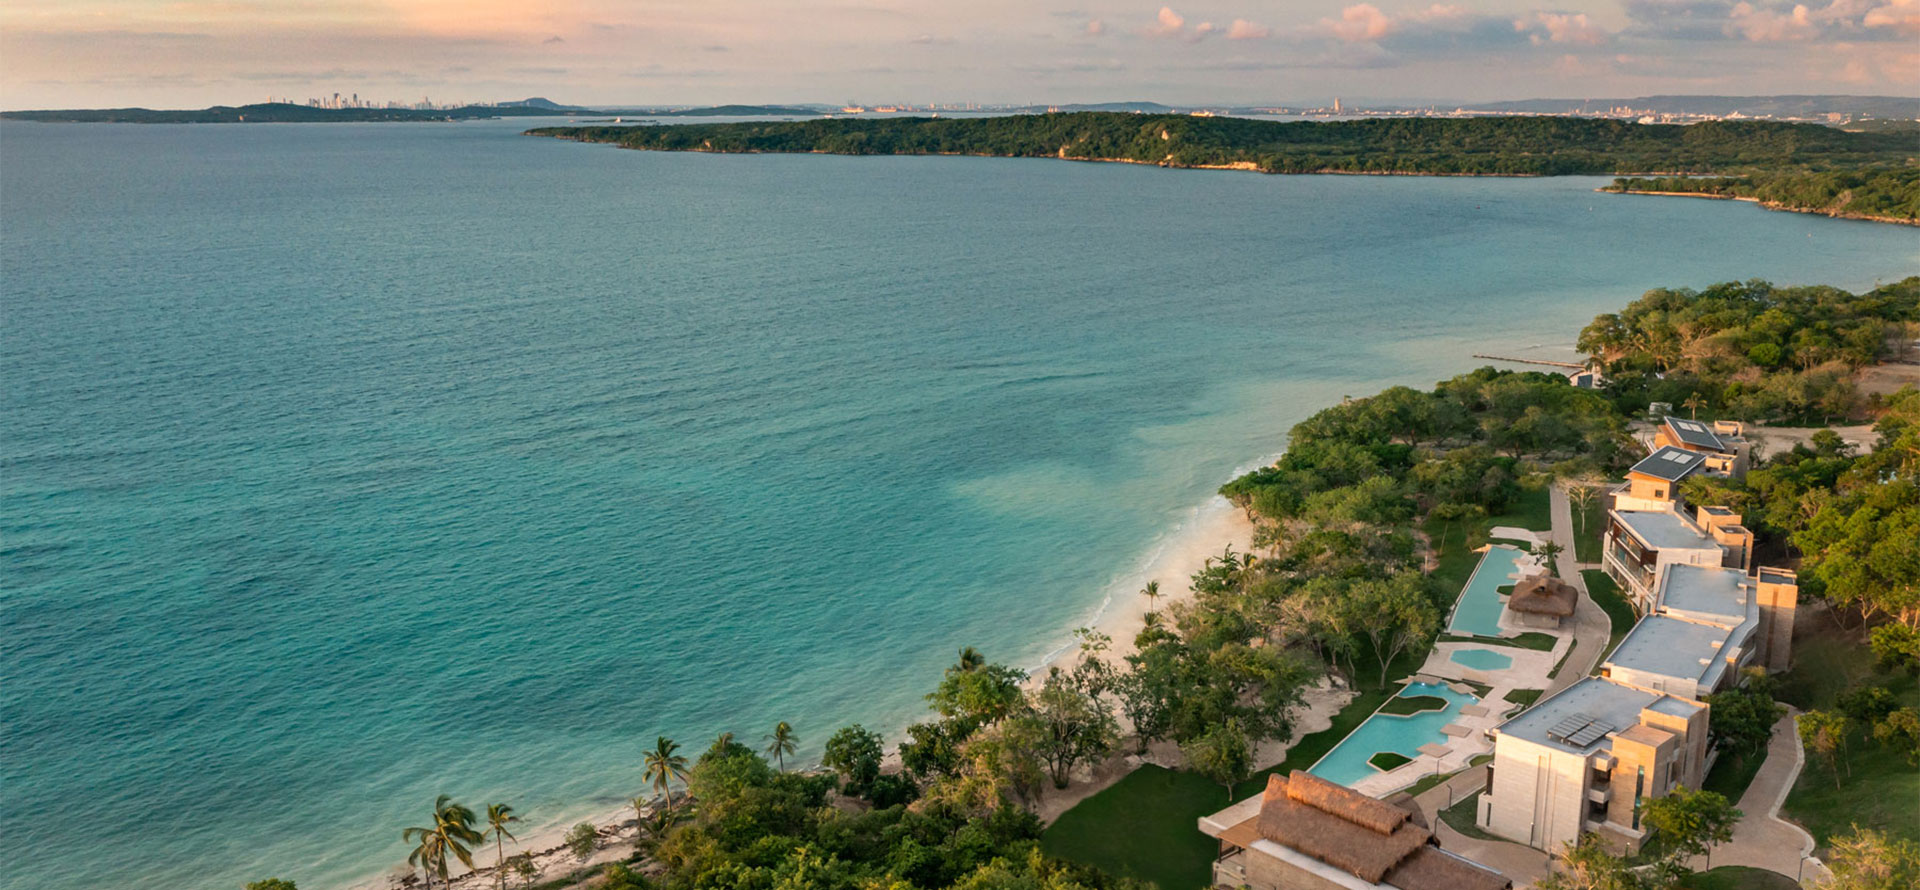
[(1586, 865), (1691, 821), (523, 866), (499, 815), (855, 753), (980, 694), (1740, 720), (1693, 404), (582, 840), (1896, 646), (1152, 593), (664, 767), (1581, 492), (1865, 859), (1223, 754), (1393, 614), (452, 833), (1900, 730), (1549, 554), (781, 743), (1867, 705), (1824, 733), (271, 884), (1073, 725)]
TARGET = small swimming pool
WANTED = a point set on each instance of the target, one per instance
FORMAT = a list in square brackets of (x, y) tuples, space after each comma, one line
[(1478, 612), (1481, 659), (1347, 762)]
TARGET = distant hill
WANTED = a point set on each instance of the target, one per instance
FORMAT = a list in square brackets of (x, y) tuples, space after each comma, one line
[(1755, 106), (1140, 107), (720, 111), (538, 102), (272, 113)]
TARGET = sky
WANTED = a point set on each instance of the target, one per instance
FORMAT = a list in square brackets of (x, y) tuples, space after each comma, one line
[(194, 53)]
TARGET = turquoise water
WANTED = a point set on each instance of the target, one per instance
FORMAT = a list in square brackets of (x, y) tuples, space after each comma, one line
[(1403, 735), (1481, 659), (1478, 610), (347, 465)]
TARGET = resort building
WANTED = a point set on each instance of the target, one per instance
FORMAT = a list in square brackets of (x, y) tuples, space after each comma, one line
[(1653, 484), (1306, 833), (1723, 443), (1640, 544), (1582, 760)]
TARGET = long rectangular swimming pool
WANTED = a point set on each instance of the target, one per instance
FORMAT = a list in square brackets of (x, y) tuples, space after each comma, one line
[(1478, 611)]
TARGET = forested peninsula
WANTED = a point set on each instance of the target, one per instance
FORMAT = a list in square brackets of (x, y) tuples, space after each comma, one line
[(1497, 146), (1881, 195)]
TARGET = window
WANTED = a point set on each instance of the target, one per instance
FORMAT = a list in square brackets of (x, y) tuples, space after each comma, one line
[(1639, 786)]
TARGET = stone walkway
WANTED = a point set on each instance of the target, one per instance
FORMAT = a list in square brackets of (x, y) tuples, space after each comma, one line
[(1762, 839), (1523, 864), (1591, 628)]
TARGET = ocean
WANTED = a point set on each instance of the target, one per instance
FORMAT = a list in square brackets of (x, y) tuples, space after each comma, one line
[(343, 465)]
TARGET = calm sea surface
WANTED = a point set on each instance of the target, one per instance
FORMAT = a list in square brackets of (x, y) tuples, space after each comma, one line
[(346, 465)]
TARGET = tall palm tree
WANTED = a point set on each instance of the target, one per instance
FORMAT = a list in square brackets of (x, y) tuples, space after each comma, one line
[(663, 767), (1152, 593), (970, 660), (498, 815), (452, 832), (780, 743), (1693, 404)]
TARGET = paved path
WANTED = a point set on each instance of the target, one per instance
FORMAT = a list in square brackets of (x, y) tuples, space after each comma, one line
[(1591, 628), (1762, 839), (1523, 864)]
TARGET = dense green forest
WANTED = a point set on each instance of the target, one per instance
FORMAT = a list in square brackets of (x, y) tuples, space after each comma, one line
[(1482, 146), (1751, 351), (1876, 193)]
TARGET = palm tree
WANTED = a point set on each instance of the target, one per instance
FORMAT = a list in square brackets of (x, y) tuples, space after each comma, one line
[(664, 766), (498, 815), (639, 805), (1152, 593), (970, 660), (780, 744), (452, 832), (1693, 404), (1551, 551)]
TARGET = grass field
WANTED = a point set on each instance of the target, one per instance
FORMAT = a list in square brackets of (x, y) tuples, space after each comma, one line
[(1876, 787), (1731, 775), (1587, 530), (1606, 594), (1737, 877), (1524, 697), (1403, 705)]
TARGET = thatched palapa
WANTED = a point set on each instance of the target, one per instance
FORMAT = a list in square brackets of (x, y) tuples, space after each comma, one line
[(1543, 595)]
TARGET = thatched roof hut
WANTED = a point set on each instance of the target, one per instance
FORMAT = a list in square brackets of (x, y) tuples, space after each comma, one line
[(1372, 840), (1543, 595)]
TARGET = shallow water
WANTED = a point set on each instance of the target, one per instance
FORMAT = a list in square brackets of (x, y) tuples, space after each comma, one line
[(347, 465), (1477, 612)]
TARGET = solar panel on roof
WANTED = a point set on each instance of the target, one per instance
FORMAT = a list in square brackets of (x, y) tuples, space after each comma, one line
[(1590, 733)]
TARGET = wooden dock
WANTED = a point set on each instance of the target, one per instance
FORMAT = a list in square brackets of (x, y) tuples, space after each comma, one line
[(1531, 361)]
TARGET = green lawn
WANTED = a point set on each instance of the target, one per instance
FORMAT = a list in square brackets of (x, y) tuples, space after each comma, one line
[(1403, 705), (1732, 774), (1563, 659), (1606, 594), (1145, 826), (1737, 877), (1524, 697), (1586, 537), (1530, 640), (1386, 760), (1877, 787), (1460, 817)]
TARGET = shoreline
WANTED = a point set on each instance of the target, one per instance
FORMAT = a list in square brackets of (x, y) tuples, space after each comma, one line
[(1172, 559), (1767, 205)]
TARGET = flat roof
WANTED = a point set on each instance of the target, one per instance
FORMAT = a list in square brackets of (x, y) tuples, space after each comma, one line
[(1693, 432), (1663, 529), (1674, 707), (1670, 647), (1597, 698), (1669, 463), (1721, 595)]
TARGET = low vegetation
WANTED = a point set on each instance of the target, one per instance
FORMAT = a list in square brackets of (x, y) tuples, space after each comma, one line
[(1880, 193), (1520, 145)]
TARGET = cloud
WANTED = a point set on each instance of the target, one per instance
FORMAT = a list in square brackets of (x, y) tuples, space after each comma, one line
[(1095, 28), (1774, 22), (1167, 24), (930, 40), (1241, 29), (1561, 27), (555, 39), (1364, 23)]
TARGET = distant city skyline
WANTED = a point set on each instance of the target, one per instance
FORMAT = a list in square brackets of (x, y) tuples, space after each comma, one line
[(159, 53)]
